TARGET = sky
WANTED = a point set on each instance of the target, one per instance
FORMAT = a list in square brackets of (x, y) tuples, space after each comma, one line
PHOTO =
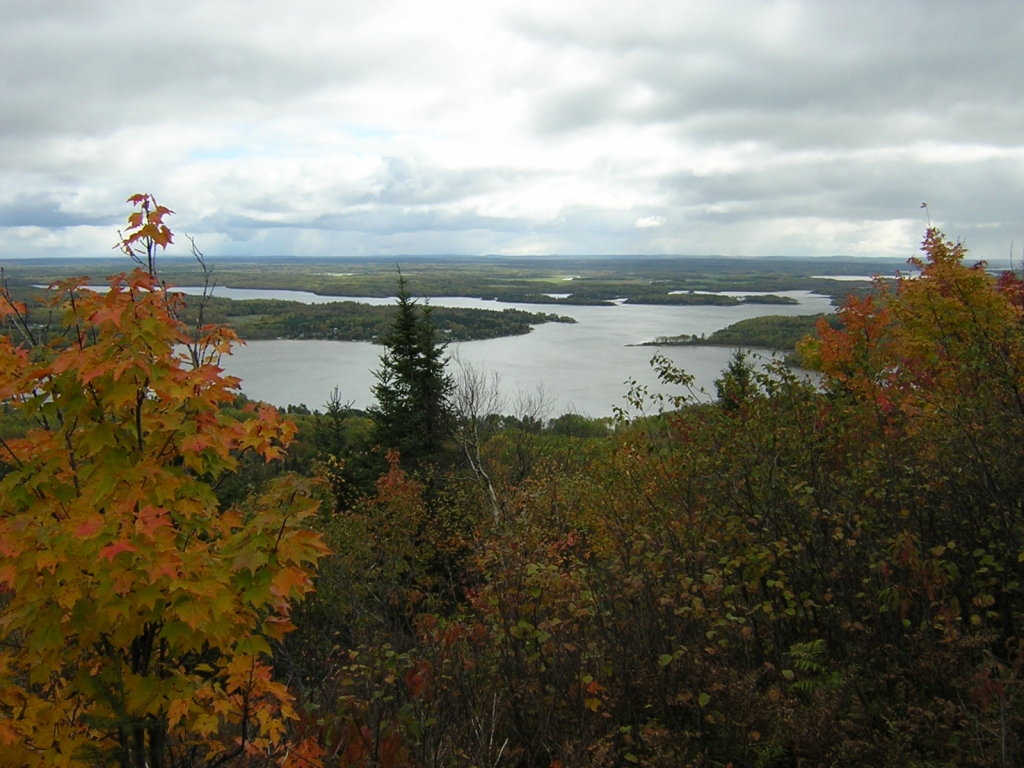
[(520, 127)]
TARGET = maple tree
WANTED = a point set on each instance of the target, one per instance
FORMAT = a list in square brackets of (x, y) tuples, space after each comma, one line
[(136, 612), (146, 232)]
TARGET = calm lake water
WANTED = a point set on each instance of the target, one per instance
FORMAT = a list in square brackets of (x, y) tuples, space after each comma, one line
[(582, 367)]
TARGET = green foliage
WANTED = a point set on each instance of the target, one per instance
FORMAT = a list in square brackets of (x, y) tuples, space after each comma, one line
[(344, 442), (575, 425), (736, 386), (413, 411)]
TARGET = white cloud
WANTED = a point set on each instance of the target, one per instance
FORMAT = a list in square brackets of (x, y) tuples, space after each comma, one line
[(515, 125)]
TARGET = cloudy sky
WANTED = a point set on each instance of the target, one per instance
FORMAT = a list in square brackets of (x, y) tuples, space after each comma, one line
[(514, 127)]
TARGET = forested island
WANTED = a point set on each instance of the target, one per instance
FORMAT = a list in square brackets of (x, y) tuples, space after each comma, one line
[(605, 295), (776, 332), (352, 321)]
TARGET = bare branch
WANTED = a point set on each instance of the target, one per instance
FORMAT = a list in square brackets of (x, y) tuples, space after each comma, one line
[(20, 315), (198, 348), (475, 397)]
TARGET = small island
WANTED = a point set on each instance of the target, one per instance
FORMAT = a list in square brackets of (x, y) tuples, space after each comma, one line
[(778, 332), (708, 298)]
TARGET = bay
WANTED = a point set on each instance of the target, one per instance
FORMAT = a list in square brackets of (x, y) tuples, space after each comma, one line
[(582, 367)]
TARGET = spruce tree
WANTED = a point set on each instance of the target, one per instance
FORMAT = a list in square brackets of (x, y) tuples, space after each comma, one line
[(737, 384), (413, 413)]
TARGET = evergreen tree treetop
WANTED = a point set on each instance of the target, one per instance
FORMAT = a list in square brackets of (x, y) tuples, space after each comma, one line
[(413, 391)]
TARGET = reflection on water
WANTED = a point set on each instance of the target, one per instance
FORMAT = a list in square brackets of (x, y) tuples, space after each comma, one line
[(582, 367)]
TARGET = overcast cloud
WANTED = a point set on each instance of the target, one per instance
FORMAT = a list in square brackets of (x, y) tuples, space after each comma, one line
[(519, 127)]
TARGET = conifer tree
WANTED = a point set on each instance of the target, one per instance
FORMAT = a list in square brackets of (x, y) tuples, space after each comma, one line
[(413, 413), (736, 385)]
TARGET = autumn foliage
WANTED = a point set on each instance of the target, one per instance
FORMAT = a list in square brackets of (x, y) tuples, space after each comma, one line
[(796, 575), (136, 611)]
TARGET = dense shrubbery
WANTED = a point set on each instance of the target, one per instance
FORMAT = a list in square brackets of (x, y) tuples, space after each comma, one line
[(794, 575)]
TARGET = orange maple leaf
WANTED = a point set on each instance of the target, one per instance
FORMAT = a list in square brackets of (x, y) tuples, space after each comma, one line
[(89, 526), (150, 519), (111, 551)]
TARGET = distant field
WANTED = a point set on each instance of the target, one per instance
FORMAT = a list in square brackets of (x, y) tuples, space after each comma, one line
[(593, 280)]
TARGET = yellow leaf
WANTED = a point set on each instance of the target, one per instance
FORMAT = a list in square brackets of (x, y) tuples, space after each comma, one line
[(176, 711)]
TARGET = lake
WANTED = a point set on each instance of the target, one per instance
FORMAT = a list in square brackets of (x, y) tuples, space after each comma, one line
[(582, 367)]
